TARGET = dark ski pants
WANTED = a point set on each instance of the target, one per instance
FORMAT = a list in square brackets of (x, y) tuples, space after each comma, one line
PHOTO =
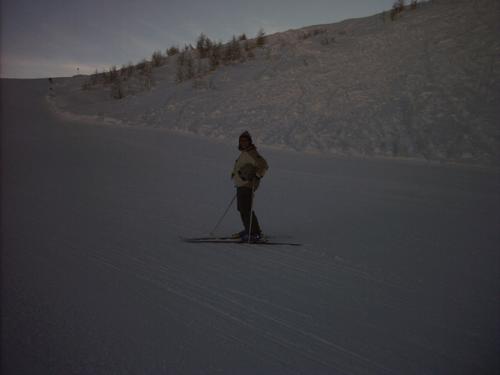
[(245, 197)]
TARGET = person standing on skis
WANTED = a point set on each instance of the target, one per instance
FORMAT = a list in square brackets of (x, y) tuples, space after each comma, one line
[(248, 170)]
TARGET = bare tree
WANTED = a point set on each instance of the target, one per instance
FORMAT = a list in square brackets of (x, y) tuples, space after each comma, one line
[(94, 78), (112, 75), (128, 70), (117, 91)]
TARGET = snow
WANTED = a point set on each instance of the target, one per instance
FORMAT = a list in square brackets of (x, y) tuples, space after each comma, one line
[(398, 274), (399, 268)]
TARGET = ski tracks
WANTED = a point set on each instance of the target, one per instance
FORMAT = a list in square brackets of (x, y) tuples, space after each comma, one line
[(255, 298)]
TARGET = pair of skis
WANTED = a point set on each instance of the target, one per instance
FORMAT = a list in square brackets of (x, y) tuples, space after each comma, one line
[(233, 240), (236, 239)]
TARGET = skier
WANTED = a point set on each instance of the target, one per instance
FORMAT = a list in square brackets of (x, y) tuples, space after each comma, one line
[(248, 170)]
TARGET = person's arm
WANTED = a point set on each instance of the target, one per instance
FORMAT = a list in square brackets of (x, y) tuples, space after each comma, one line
[(233, 173), (261, 165)]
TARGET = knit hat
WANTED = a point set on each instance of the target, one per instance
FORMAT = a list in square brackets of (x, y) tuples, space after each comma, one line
[(246, 135)]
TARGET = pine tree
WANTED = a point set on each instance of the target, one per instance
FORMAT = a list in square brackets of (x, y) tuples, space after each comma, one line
[(203, 45), (232, 51), (189, 72), (180, 67), (215, 55), (172, 51), (261, 38), (157, 58)]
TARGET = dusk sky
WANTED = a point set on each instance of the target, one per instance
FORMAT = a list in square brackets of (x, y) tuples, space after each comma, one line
[(58, 37)]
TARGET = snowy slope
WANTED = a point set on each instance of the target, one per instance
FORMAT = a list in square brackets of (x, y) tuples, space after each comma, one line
[(425, 85), (399, 272)]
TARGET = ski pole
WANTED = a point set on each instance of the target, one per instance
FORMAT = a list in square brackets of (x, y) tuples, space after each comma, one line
[(251, 212), (223, 215)]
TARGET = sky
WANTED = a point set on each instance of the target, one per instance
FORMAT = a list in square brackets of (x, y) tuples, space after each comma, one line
[(53, 38)]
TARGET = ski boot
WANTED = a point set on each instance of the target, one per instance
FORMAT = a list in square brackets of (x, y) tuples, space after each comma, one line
[(253, 238), (239, 235)]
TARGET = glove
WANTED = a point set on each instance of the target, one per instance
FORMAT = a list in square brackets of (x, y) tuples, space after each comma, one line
[(256, 180)]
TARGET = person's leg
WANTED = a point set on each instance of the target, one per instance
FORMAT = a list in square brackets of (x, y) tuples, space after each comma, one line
[(245, 198), (255, 225)]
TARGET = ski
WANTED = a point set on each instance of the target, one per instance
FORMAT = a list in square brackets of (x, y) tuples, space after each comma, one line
[(210, 238), (224, 238), (231, 240), (230, 237)]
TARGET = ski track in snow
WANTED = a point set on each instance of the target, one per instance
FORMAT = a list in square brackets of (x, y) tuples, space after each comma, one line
[(398, 272)]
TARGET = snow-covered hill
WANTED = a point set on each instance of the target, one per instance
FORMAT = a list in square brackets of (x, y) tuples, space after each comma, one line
[(425, 85)]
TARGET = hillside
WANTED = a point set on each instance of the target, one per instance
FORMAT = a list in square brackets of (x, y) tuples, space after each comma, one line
[(425, 85)]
